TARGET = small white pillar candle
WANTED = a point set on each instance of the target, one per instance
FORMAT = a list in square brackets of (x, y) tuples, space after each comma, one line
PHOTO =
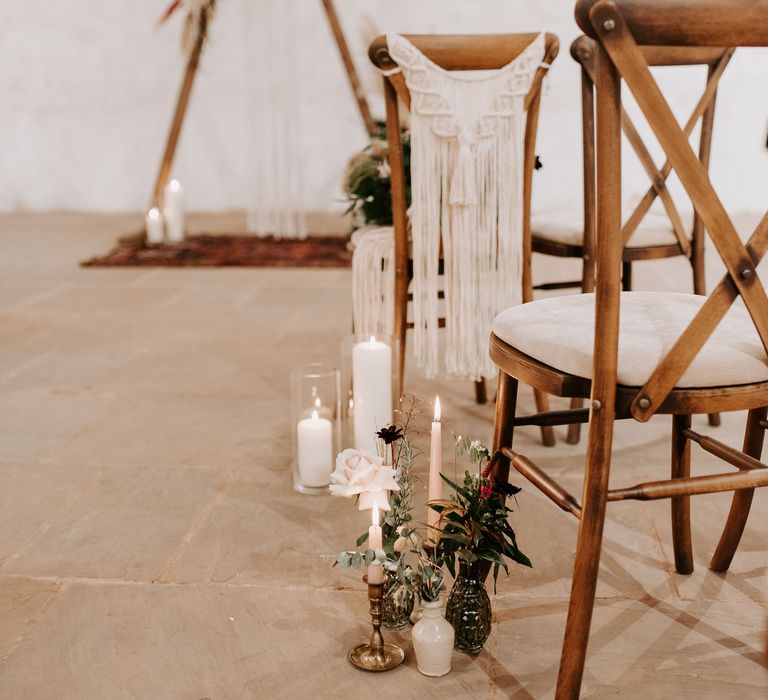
[(314, 450), (375, 570), (372, 391), (173, 211), (153, 226), (435, 466)]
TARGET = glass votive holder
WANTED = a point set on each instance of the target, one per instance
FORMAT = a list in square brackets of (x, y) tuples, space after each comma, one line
[(315, 425), (370, 387)]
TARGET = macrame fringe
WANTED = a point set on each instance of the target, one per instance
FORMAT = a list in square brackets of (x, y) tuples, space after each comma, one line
[(467, 190), (373, 281)]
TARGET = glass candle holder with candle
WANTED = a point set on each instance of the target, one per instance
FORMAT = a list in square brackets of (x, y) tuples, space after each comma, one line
[(370, 382), (315, 426)]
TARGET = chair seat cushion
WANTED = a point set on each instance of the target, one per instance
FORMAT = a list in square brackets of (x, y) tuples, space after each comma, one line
[(568, 228), (559, 332)]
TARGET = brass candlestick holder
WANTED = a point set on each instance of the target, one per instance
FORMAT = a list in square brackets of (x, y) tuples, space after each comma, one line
[(376, 654)]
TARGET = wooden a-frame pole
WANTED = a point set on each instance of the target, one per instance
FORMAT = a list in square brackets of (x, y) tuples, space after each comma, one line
[(349, 67)]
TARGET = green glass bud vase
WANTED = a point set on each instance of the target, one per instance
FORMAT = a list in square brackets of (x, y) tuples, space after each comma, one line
[(397, 604), (469, 609)]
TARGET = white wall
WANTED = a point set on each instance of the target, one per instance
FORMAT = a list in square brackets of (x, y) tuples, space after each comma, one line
[(87, 88)]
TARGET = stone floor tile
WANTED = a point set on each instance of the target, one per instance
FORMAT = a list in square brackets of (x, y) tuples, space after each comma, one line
[(23, 603), (31, 497), (126, 523), (35, 423), (179, 431)]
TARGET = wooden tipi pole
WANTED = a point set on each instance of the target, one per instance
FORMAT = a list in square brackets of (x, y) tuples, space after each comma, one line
[(172, 141), (349, 67)]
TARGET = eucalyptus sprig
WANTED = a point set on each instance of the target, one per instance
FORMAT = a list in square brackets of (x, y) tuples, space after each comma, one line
[(356, 559), (431, 577)]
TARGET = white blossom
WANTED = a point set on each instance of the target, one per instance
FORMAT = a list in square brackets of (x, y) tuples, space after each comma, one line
[(358, 472)]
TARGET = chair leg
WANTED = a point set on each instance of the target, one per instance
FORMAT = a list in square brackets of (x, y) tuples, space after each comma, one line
[(697, 264), (401, 326), (504, 426), (481, 396), (587, 285), (699, 283), (742, 500), (585, 570), (681, 505), (503, 430), (626, 276), (547, 431), (574, 429)]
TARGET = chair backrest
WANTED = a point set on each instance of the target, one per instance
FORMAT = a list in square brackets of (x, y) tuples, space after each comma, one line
[(699, 23), (472, 159), (622, 27), (457, 53), (584, 51)]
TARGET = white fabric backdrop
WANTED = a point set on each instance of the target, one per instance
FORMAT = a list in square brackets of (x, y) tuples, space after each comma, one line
[(87, 89)]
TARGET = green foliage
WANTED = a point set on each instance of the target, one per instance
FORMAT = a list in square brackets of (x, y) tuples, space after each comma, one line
[(474, 522), (431, 577), (354, 560), (478, 453), (368, 183)]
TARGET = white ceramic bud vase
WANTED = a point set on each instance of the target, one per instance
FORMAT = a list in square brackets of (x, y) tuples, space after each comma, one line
[(433, 639)]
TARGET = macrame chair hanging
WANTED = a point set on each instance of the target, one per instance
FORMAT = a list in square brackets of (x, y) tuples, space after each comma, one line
[(467, 153)]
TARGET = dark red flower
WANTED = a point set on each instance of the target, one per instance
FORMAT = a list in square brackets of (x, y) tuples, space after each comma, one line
[(390, 434)]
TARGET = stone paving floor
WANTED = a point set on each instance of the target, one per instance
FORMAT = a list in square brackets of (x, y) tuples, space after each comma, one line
[(152, 546)]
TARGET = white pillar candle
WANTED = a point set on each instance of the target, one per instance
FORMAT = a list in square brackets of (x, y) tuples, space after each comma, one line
[(375, 571), (435, 466), (153, 226), (314, 453), (173, 211), (372, 386)]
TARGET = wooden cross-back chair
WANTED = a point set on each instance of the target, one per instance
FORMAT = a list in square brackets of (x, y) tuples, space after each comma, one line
[(642, 239), (456, 53), (694, 354)]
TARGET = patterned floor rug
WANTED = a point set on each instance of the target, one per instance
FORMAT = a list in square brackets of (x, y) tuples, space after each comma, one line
[(225, 250)]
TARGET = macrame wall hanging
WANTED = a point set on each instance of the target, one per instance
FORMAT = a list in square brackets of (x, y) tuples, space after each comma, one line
[(467, 153), (276, 199), (274, 152)]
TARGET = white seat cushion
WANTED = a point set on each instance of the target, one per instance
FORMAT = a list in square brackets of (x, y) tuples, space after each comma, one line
[(559, 332), (568, 228)]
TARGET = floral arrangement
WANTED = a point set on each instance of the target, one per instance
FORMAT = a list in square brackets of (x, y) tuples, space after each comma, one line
[(364, 475), (474, 522), (472, 528), (368, 181)]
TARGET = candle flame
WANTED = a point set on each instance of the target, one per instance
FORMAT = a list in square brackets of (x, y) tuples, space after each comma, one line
[(437, 409), (375, 514), (154, 213), (317, 402), (175, 185), (315, 415), (373, 340)]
